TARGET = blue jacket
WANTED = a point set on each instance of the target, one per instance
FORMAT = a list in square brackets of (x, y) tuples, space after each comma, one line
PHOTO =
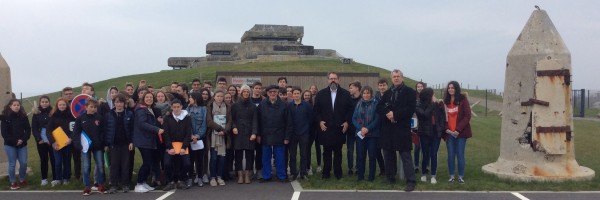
[(145, 129), (111, 123), (198, 117), (357, 118), (302, 117)]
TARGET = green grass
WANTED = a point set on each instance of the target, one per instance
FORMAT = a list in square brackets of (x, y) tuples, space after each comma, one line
[(483, 149), (592, 112)]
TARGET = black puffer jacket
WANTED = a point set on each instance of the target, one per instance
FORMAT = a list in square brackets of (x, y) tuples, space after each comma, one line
[(63, 119), (15, 128), (39, 121), (425, 113)]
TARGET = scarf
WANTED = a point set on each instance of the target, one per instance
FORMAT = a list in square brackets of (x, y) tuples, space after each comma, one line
[(366, 112), (218, 141)]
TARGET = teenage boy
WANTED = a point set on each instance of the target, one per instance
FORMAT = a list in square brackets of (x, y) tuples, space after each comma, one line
[(354, 89), (177, 138), (302, 115), (89, 125), (118, 132), (256, 98)]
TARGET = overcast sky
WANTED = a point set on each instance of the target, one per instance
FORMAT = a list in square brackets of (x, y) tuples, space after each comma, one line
[(58, 43)]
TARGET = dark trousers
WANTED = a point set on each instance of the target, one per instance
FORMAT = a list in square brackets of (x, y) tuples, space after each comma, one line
[(350, 146), (299, 141), (380, 160), (131, 161), (205, 167), (197, 163), (407, 163), (176, 167), (364, 146), (430, 147), (313, 140), (158, 164), (148, 164), (46, 154), (119, 165), (239, 157), (417, 154), (229, 158), (62, 168), (336, 151), (76, 163), (258, 165)]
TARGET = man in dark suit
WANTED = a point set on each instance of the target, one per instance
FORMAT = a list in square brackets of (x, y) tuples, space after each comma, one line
[(396, 109), (333, 110)]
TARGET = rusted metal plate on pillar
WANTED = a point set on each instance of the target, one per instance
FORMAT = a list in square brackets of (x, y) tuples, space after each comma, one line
[(551, 87)]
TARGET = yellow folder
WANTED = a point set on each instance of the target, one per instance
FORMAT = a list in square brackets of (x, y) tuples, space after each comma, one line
[(60, 137), (177, 147)]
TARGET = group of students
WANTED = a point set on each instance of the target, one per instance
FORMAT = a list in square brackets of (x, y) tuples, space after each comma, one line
[(198, 135)]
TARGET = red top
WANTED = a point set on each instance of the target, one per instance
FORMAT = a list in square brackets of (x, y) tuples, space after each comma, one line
[(452, 116)]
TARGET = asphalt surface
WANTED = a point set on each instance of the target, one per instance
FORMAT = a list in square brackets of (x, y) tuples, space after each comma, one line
[(276, 190)]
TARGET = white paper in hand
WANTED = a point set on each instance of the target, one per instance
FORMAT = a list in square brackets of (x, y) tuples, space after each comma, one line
[(359, 134), (85, 142), (199, 145)]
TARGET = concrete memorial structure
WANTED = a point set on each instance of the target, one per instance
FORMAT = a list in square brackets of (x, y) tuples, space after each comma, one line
[(5, 96), (537, 136), (262, 43)]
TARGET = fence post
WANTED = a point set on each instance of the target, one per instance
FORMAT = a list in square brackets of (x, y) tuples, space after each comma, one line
[(486, 102), (582, 112)]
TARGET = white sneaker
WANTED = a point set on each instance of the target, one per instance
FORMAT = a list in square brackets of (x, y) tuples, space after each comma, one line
[(147, 187), (140, 189), (44, 182), (319, 169), (310, 172), (423, 178), (94, 188), (196, 179), (54, 183), (205, 178), (433, 180)]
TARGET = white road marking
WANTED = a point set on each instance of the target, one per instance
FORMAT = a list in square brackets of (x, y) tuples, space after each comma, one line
[(296, 196), (164, 196), (519, 196)]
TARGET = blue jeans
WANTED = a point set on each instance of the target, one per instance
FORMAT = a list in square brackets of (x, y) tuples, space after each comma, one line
[(62, 163), (14, 154), (350, 144), (367, 144), (456, 149), (87, 163), (430, 147), (216, 164), (268, 152)]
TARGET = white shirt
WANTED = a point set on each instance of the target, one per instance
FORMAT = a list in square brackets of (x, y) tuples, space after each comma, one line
[(333, 95)]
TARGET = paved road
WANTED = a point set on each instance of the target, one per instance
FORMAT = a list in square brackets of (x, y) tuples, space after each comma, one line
[(281, 191)]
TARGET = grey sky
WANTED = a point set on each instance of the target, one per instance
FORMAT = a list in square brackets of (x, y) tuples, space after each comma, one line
[(52, 44)]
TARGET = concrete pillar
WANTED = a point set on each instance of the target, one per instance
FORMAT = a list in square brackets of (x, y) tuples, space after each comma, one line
[(5, 96), (537, 135)]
